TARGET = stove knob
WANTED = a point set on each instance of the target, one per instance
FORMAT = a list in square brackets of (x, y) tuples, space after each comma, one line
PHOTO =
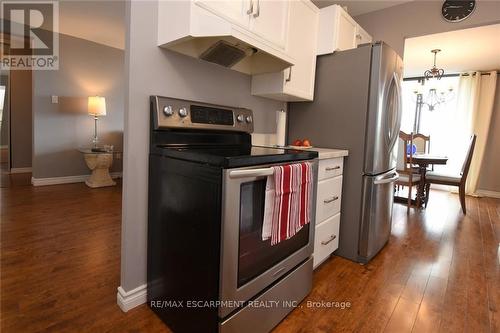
[(183, 112), (240, 118), (249, 119), (167, 110)]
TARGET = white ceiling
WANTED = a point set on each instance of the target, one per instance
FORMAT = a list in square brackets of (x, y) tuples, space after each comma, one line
[(358, 7), (461, 51)]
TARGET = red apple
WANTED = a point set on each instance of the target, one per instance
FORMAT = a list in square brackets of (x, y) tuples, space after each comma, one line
[(297, 143)]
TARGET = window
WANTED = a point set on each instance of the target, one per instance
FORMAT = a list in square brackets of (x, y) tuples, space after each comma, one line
[(442, 124)]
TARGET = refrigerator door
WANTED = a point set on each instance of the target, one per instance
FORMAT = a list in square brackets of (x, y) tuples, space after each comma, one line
[(384, 110), (376, 213)]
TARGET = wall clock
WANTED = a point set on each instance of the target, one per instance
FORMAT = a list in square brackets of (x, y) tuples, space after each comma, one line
[(457, 10)]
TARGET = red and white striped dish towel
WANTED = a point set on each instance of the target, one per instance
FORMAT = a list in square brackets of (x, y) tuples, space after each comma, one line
[(288, 201)]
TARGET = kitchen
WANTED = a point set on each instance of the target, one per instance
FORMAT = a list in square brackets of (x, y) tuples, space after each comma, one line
[(260, 161), (269, 267), (277, 86)]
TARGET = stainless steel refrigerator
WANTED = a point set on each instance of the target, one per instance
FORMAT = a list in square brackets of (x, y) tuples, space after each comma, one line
[(357, 106)]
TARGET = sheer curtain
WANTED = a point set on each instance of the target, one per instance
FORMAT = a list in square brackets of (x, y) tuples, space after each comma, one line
[(476, 94)]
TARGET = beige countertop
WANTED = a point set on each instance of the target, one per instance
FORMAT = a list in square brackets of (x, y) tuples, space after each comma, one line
[(323, 153)]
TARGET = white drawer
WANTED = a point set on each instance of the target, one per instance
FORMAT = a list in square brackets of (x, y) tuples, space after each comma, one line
[(326, 239), (328, 198), (330, 168)]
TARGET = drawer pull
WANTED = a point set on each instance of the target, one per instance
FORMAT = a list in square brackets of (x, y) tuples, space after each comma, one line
[(327, 201), (279, 271), (332, 237), (332, 168)]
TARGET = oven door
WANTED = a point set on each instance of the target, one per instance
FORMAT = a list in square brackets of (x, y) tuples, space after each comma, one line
[(249, 264)]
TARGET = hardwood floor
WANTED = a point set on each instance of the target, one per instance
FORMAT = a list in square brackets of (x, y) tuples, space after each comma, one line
[(60, 267)]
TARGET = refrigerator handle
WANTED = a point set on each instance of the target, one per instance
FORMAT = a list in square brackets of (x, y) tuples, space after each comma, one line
[(394, 177), (397, 124)]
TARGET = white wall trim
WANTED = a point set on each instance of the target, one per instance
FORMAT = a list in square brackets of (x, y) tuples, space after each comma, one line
[(130, 299), (20, 170), (66, 180), (486, 193)]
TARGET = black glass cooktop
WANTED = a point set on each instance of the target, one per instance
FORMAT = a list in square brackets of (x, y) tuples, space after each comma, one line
[(236, 156)]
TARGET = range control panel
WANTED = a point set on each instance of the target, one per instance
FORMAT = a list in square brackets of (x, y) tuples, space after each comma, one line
[(178, 113)]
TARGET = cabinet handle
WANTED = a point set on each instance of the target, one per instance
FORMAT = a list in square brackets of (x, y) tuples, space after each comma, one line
[(250, 10), (327, 201), (332, 237), (332, 168), (358, 36), (289, 78), (258, 9)]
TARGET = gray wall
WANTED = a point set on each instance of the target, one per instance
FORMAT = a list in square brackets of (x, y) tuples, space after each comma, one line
[(21, 118), (155, 71), (490, 174), (418, 18), (85, 69)]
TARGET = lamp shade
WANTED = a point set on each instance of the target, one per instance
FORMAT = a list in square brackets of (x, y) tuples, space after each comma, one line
[(97, 106)]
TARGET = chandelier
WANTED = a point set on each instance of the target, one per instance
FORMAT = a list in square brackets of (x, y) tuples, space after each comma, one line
[(434, 72), (434, 99)]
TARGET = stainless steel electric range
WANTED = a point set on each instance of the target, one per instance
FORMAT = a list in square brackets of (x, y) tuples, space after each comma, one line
[(208, 268)]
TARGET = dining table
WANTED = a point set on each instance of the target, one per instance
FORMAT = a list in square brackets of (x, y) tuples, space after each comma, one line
[(423, 161)]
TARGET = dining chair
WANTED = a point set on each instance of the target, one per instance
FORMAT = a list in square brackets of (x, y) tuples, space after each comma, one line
[(407, 176), (422, 144), (452, 179)]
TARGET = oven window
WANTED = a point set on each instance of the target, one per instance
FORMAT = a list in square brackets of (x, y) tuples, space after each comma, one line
[(255, 255)]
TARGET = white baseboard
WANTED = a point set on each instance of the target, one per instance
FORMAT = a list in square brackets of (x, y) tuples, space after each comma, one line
[(20, 170), (130, 299), (486, 193), (66, 180)]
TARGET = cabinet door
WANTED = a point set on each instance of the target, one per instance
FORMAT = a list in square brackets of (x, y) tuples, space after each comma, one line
[(302, 44), (346, 33), (270, 20), (236, 11), (362, 36), (297, 82)]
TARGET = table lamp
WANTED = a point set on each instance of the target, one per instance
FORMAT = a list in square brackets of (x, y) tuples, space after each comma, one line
[(96, 108)]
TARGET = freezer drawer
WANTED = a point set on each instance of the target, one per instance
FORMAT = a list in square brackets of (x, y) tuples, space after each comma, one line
[(376, 218)]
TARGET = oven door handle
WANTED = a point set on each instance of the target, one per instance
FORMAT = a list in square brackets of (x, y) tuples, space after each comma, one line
[(251, 173)]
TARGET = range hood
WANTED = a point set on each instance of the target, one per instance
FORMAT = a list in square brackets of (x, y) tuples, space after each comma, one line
[(188, 29)]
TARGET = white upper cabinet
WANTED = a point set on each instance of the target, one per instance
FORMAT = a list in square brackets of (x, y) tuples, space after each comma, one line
[(338, 31), (362, 36), (245, 35), (269, 19), (346, 31), (297, 82), (232, 10)]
